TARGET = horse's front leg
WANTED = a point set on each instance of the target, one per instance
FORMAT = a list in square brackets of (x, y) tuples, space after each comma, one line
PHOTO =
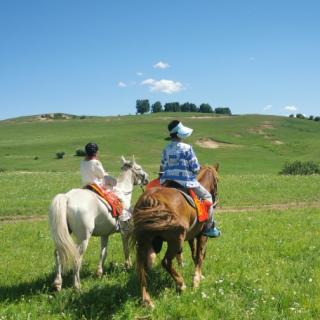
[(57, 283), (82, 247), (192, 245), (103, 255), (124, 228), (200, 255)]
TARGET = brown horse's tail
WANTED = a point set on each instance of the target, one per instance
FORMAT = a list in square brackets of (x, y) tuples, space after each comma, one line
[(152, 215)]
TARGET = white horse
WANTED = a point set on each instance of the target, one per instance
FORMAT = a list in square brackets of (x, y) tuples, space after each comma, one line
[(83, 213)]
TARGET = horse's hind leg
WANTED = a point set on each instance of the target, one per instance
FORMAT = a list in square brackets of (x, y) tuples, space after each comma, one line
[(201, 252), (124, 227), (57, 283), (82, 247), (142, 266), (103, 255), (174, 248)]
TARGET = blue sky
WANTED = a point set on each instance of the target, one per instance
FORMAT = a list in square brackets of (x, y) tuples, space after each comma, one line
[(98, 57)]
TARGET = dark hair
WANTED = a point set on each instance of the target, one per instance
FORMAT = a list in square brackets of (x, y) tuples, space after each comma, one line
[(91, 149), (172, 125)]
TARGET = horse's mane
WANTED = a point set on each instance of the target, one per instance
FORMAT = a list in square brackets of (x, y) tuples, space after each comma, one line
[(208, 176)]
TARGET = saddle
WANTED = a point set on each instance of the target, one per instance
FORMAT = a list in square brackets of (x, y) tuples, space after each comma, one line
[(110, 197), (201, 205)]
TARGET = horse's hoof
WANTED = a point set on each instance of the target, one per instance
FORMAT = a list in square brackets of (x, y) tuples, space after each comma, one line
[(99, 274), (148, 304), (181, 288), (57, 287), (196, 282), (77, 287), (128, 266)]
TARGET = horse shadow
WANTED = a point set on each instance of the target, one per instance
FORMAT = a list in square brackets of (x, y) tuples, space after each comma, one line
[(102, 300)]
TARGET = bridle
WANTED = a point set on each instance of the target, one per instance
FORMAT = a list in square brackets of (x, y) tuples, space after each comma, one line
[(142, 176)]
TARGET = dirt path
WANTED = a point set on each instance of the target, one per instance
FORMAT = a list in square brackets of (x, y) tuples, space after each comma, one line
[(220, 210)]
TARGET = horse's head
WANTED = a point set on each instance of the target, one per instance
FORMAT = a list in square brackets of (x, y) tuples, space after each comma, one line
[(140, 177), (208, 177)]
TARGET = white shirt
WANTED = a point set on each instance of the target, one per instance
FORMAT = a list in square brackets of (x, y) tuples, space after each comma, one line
[(92, 172)]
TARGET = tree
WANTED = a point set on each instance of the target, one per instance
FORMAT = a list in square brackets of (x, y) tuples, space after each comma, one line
[(172, 107), (185, 107), (223, 111), (205, 108), (310, 117), (156, 107), (291, 115), (317, 118), (300, 116), (142, 106), (193, 108)]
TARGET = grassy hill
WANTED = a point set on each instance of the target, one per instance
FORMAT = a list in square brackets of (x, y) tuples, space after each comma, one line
[(246, 144)]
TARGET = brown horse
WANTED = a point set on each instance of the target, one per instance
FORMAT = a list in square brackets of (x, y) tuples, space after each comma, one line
[(163, 214)]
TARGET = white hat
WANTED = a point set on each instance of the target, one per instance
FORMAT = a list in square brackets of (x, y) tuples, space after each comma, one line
[(181, 130)]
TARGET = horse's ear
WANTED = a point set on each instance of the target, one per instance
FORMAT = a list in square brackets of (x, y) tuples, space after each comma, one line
[(216, 166), (123, 160)]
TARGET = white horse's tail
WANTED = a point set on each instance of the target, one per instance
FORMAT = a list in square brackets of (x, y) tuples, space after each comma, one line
[(68, 253)]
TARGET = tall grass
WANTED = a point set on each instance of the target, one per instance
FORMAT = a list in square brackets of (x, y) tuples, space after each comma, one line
[(265, 266)]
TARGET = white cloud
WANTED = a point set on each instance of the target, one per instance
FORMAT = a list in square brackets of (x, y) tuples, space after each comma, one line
[(291, 108), (267, 107), (122, 84), (139, 74), (166, 86), (161, 65)]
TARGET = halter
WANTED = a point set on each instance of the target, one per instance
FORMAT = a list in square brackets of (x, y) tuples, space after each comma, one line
[(141, 176)]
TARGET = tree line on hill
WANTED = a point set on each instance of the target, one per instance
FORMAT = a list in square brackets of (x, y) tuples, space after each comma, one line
[(144, 106), (302, 116)]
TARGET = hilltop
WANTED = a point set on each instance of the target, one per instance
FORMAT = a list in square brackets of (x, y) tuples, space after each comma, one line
[(241, 144)]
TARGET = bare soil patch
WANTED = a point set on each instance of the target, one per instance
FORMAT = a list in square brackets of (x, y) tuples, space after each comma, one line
[(222, 210), (278, 142), (212, 144)]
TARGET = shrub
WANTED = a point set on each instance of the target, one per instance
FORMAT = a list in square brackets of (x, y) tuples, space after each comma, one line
[(2, 170), (36, 158), (60, 155), (80, 153), (300, 168)]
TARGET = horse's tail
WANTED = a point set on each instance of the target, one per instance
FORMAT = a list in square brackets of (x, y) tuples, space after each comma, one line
[(152, 213), (68, 253)]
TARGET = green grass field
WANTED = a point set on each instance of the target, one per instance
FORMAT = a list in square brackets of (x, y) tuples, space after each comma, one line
[(252, 142), (265, 266), (31, 193)]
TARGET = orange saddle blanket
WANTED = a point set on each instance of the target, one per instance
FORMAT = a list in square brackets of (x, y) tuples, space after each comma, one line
[(109, 196), (202, 206)]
